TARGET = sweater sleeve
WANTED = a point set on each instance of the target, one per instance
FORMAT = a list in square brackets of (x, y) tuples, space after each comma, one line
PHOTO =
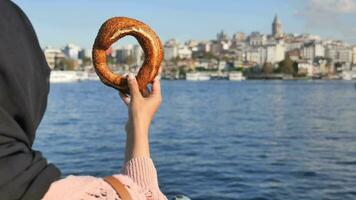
[(143, 172)]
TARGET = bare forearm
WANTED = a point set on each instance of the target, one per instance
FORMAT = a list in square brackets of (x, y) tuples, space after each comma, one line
[(137, 143), (141, 112)]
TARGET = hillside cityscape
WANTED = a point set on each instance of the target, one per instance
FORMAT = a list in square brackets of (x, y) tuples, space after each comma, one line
[(277, 55)]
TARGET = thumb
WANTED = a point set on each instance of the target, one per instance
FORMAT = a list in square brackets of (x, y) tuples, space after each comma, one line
[(133, 86)]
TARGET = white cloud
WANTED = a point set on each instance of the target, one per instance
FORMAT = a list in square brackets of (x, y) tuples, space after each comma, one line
[(334, 6), (330, 17)]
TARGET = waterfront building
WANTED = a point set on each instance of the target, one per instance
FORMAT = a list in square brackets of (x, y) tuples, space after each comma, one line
[(71, 51), (218, 47), (204, 46), (305, 67), (138, 55), (170, 52), (53, 56), (184, 52), (239, 37), (238, 40), (124, 54), (222, 36), (311, 50), (192, 44), (275, 53), (222, 65), (339, 54), (202, 63), (257, 39), (354, 55), (271, 53), (294, 54), (256, 55), (294, 45), (84, 53), (277, 31), (309, 38), (170, 49)]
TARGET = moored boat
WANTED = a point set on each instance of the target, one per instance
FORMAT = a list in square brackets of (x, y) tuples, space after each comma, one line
[(64, 77), (196, 76), (236, 76)]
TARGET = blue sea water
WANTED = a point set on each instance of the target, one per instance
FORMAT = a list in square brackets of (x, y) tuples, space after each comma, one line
[(217, 139)]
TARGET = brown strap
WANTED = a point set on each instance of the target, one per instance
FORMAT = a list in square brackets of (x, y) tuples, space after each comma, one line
[(118, 187)]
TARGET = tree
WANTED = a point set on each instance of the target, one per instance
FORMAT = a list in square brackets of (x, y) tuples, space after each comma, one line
[(67, 64), (86, 61), (287, 66), (267, 68)]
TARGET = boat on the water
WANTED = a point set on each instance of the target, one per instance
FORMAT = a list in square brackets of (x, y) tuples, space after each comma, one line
[(197, 76), (236, 76), (92, 76), (64, 77), (72, 76), (82, 75), (347, 76)]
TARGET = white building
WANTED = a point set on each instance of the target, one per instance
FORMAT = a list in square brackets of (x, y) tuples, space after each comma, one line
[(170, 49), (339, 54), (204, 46), (138, 55), (257, 39), (293, 45), (306, 67), (354, 55), (71, 51), (272, 53), (256, 55), (170, 52), (275, 53), (192, 44), (84, 53), (203, 63), (239, 37), (222, 36), (123, 53), (222, 65), (53, 56), (312, 50), (184, 52)]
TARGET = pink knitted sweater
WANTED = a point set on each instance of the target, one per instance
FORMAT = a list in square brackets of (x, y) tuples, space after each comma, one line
[(138, 175)]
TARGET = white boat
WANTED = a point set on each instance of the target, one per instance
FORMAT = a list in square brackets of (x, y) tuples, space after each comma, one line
[(92, 76), (64, 77), (236, 76), (196, 76), (82, 75), (347, 76)]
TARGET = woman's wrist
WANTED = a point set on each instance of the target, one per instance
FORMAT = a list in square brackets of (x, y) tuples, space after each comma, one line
[(137, 126), (137, 142)]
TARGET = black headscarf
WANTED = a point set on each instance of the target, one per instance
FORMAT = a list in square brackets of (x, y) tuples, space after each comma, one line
[(24, 87)]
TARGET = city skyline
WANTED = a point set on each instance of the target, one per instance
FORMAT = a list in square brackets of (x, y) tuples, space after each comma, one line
[(329, 19)]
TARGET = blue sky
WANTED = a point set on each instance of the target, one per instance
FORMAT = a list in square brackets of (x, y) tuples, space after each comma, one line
[(61, 22)]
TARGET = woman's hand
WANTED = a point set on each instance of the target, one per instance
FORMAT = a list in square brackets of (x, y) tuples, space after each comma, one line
[(141, 111)]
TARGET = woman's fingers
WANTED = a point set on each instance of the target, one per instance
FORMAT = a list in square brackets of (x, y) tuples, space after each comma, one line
[(156, 87), (126, 99), (133, 86)]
